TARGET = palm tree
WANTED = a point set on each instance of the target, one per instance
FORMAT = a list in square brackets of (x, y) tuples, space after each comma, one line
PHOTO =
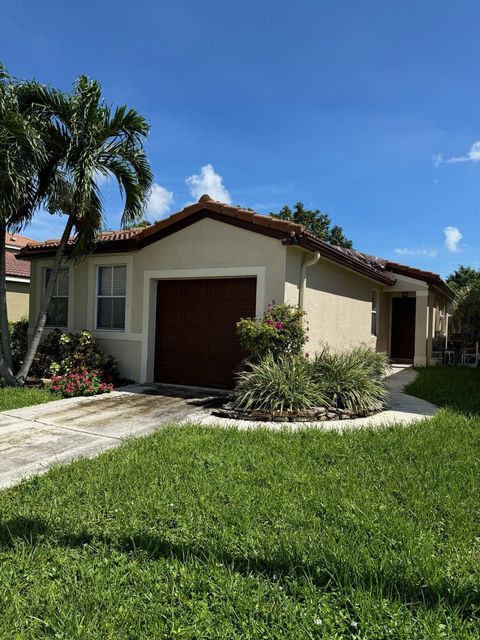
[(22, 154), (97, 142)]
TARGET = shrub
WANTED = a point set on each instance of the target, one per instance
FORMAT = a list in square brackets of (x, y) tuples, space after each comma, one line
[(64, 353), (352, 380), (279, 332), (18, 341), (277, 385), (79, 383)]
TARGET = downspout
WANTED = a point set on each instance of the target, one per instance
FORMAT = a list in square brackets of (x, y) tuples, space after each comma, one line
[(303, 277)]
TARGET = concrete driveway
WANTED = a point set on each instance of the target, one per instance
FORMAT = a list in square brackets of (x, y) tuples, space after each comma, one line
[(32, 439)]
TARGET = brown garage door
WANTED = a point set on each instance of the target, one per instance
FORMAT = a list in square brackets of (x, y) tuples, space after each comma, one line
[(196, 343)]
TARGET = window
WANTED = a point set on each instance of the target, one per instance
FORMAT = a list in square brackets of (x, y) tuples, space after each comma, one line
[(57, 314), (111, 297), (374, 312)]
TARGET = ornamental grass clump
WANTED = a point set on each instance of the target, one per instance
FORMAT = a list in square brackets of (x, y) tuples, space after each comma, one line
[(352, 381), (282, 385)]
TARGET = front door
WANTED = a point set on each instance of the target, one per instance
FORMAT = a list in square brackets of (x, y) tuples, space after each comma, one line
[(403, 329)]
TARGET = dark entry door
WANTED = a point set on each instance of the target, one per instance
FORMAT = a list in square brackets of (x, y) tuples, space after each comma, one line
[(403, 328), (196, 341)]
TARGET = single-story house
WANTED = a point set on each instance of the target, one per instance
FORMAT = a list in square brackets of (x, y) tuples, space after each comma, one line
[(17, 277), (164, 299)]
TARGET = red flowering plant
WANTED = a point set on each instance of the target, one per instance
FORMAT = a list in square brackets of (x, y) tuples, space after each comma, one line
[(80, 383), (281, 331)]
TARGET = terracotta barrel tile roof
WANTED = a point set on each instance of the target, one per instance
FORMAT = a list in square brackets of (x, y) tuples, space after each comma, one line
[(16, 241), (16, 268), (106, 236), (289, 232)]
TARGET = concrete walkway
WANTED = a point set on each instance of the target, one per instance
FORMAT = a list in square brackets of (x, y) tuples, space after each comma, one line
[(34, 438)]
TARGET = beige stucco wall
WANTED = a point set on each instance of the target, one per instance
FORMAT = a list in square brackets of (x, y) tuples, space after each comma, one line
[(204, 245), (128, 353), (209, 244), (18, 294), (338, 302)]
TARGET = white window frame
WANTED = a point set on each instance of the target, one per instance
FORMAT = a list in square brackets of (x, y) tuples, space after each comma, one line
[(97, 296), (375, 305), (68, 297), (93, 262)]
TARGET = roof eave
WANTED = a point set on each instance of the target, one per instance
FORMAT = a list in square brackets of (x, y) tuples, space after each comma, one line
[(332, 254), (108, 246), (431, 279)]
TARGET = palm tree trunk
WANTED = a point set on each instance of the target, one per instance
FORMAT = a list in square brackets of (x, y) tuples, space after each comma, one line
[(42, 315), (6, 362)]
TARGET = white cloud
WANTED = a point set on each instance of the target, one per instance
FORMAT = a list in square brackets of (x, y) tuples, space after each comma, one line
[(473, 155), (208, 182), (159, 202), (452, 238), (430, 253)]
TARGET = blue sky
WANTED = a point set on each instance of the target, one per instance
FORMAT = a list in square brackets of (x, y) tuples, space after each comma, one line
[(367, 110)]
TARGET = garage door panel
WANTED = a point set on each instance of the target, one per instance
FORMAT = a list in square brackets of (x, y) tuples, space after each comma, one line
[(195, 347), (222, 323), (195, 292), (172, 293), (215, 376), (169, 345), (172, 318), (243, 293), (196, 341), (196, 322), (218, 346)]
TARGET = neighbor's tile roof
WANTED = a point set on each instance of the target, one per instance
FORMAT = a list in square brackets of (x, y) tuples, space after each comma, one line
[(106, 236), (16, 268), (16, 241), (290, 233), (13, 243)]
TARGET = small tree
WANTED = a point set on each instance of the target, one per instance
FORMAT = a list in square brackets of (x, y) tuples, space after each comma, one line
[(466, 310), (100, 142), (463, 277), (315, 222), (22, 157), (54, 146), (280, 332)]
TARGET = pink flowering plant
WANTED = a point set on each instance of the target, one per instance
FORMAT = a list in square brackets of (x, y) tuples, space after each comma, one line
[(80, 383), (281, 331)]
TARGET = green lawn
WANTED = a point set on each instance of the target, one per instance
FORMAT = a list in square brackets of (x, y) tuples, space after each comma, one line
[(200, 533), (17, 397), (457, 388)]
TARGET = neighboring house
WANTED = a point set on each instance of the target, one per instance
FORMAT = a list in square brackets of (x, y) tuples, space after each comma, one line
[(17, 277), (165, 299)]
